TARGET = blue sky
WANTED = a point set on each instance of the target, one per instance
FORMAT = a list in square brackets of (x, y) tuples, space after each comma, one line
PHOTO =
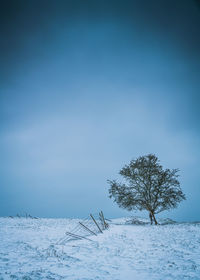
[(87, 86)]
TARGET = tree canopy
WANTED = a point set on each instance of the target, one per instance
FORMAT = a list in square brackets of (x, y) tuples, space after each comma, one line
[(147, 187)]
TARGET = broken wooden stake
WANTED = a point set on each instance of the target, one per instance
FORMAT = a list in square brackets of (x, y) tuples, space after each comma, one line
[(96, 223), (86, 228), (102, 221), (105, 224)]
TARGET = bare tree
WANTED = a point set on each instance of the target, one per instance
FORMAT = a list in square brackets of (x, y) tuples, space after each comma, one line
[(148, 187)]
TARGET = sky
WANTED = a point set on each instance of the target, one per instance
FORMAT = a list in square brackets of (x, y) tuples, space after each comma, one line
[(86, 86)]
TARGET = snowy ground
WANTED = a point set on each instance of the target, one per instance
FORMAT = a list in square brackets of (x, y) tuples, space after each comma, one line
[(28, 250)]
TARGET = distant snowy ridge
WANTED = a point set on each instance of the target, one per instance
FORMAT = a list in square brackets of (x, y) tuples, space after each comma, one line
[(135, 220)]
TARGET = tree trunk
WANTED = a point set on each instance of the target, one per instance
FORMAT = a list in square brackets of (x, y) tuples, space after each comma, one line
[(154, 218), (151, 218)]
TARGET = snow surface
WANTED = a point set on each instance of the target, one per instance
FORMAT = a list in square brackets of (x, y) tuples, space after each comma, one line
[(125, 251)]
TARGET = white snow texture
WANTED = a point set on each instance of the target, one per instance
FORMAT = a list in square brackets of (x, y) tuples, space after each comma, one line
[(125, 251)]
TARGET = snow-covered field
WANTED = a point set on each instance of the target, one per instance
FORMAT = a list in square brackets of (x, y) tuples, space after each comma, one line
[(28, 250)]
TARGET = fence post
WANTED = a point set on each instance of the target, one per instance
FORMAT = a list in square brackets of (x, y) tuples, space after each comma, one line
[(87, 228), (96, 223), (105, 224)]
